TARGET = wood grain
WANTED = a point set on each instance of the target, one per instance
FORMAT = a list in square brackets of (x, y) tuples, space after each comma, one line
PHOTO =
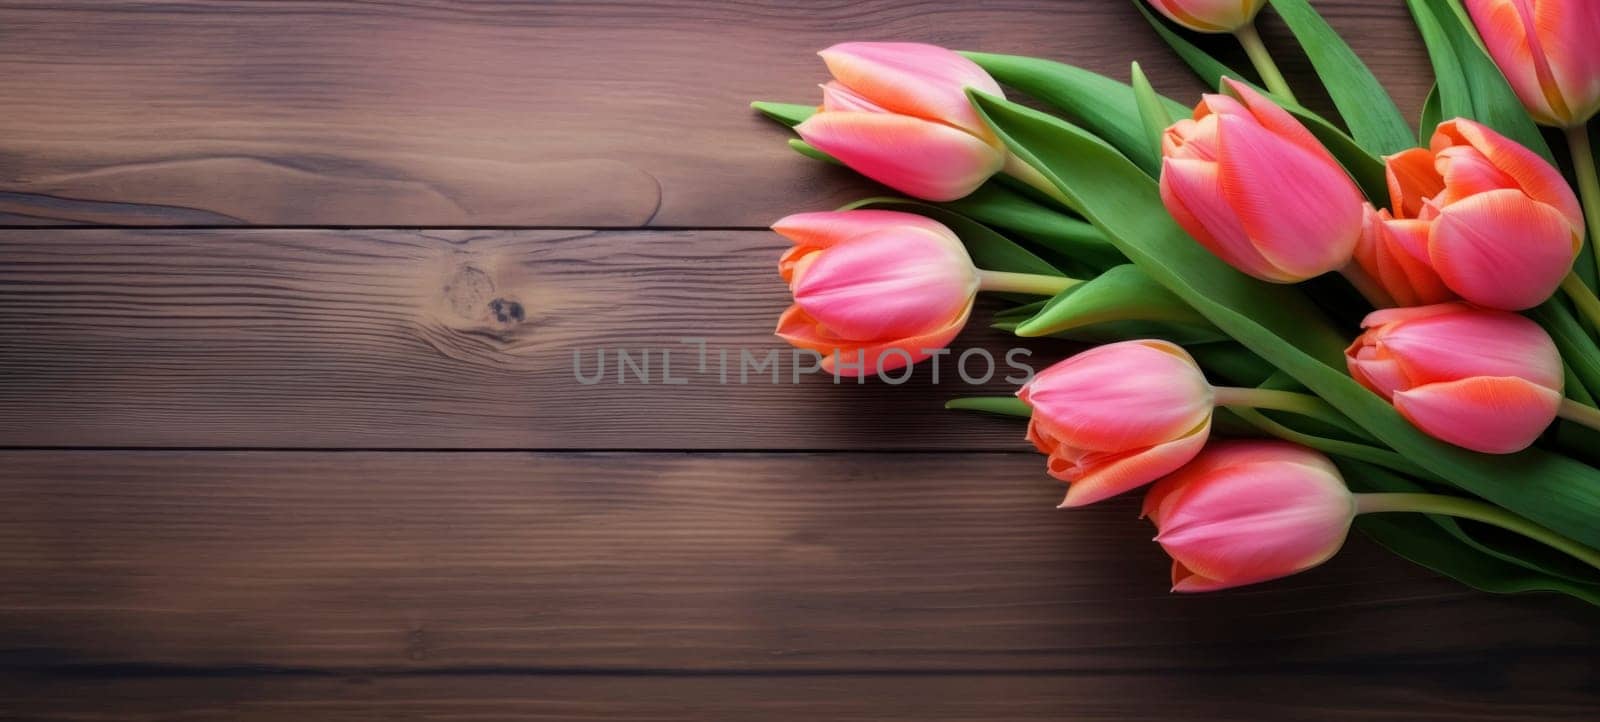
[(1454, 693), (439, 339), (307, 563), (484, 112)]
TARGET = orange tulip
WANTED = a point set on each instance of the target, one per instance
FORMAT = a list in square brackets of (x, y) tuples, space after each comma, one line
[(1254, 187), (880, 289), (898, 113), (1210, 16), (1248, 511), (1549, 52), (1502, 225)]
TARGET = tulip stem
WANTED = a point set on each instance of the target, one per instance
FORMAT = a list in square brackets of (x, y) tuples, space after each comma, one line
[(1367, 286), (1032, 284), (1020, 170), (1262, 60), (1588, 180), (1583, 298), (1276, 400), (1460, 508), (1580, 414)]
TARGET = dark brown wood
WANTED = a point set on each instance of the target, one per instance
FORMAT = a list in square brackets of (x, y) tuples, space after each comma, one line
[(391, 563), (474, 112), (438, 339), (1457, 693), (650, 585)]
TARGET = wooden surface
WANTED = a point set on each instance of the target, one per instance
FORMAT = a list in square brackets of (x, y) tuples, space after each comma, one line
[(337, 466)]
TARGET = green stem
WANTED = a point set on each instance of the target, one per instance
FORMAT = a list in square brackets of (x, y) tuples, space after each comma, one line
[(1032, 284), (1259, 57), (1335, 447), (1016, 168), (1579, 413), (1588, 180), (1477, 511), (1583, 298), (1275, 400)]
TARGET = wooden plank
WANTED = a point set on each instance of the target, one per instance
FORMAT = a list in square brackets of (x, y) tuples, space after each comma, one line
[(469, 339), (469, 112), (1403, 695), (386, 563)]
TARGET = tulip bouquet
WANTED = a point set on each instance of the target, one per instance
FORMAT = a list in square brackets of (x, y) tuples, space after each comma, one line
[(1307, 322)]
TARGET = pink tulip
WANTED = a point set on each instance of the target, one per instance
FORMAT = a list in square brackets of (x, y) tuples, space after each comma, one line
[(898, 113), (1547, 49), (1503, 226), (878, 288), (1248, 511), (1478, 378), (1210, 16), (1118, 416), (1255, 188), (1394, 253)]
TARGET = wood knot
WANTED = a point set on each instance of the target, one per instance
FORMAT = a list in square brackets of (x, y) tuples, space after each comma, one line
[(467, 291), (506, 311)]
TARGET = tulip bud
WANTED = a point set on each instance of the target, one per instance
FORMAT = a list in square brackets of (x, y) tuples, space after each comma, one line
[(1394, 253), (881, 288), (898, 113), (1547, 50), (1478, 378), (1503, 226), (1210, 16), (1255, 188), (1248, 511), (1118, 416)]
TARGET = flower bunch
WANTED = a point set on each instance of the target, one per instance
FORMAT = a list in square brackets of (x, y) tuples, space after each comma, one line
[(1223, 254)]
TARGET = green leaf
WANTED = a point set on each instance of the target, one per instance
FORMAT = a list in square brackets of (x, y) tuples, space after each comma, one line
[(1366, 168), (999, 405), (810, 151), (789, 114), (1369, 112), (1105, 106), (1443, 545), (1577, 348), (1470, 86), (1229, 363), (989, 250), (1123, 293), (1432, 116), (1278, 323), (1152, 112), (995, 205)]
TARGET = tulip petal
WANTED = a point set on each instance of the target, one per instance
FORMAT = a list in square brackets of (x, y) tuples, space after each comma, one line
[(821, 229), (1494, 415), (894, 354), (920, 158), (1475, 342), (1507, 32), (837, 97), (887, 284), (1302, 210), (1394, 252), (1413, 179), (1276, 120), (1256, 521), (849, 357), (1501, 249), (925, 81), (1126, 472), (1192, 193), (1566, 32), (1532, 174), (1209, 16)]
